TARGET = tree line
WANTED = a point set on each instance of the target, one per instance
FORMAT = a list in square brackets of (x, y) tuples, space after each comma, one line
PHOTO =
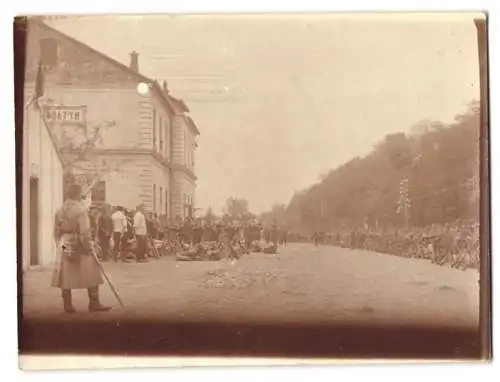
[(439, 162)]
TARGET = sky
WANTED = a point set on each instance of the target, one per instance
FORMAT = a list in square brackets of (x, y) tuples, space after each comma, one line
[(282, 99)]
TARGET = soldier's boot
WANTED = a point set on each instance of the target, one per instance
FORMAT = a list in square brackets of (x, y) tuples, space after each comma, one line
[(67, 301), (94, 302)]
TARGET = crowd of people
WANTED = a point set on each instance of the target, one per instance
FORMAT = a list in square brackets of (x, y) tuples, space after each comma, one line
[(124, 235), (116, 233), (455, 244), (135, 235)]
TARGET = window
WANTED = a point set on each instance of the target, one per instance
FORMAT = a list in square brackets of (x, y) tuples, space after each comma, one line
[(190, 206), (154, 198), (167, 139), (193, 146), (154, 130), (48, 52), (166, 202), (98, 193), (188, 151), (185, 148), (161, 201), (161, 135)]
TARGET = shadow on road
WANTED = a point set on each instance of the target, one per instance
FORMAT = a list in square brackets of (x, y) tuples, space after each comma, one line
[(236, 339)]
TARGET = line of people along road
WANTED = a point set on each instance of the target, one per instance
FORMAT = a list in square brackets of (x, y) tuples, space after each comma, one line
[(116, 233), (454, 244)]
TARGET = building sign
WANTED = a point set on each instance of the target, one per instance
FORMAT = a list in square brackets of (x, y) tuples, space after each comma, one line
[(65, 114)]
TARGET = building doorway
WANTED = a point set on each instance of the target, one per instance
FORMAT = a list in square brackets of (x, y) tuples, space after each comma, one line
[(34, 222)]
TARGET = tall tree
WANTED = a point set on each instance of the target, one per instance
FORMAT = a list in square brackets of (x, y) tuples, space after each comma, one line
[(237, 207), (438, 162), (210, 216)]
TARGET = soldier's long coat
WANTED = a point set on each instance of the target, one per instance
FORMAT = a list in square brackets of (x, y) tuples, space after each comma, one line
[(84, 273)]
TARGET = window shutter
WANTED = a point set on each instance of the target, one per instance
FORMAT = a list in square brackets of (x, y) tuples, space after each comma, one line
[(154, 198), (154, 130)]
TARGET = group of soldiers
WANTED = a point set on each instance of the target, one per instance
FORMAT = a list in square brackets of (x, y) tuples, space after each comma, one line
[(455, 244), (85, 236), (114, 236)]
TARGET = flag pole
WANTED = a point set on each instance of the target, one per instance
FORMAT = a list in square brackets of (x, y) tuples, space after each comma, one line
[(39, 86), (28, 104)]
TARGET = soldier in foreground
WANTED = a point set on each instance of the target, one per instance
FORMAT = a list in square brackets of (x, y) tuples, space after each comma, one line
[(76, 266)]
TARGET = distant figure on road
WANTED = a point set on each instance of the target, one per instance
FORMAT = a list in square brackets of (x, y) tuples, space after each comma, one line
[(76, 267), (273, 235), (284, 238), (315, 238)]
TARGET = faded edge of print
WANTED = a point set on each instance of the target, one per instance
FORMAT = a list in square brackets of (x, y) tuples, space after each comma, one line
[(279, 186)]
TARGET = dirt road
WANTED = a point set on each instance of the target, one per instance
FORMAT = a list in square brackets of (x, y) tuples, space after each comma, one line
[(302, 283)]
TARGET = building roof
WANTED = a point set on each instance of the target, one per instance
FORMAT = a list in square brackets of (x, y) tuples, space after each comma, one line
[(181, 108), (179, 105), (173, 104), (192, 125)]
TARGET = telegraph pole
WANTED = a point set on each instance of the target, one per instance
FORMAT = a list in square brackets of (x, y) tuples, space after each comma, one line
[(404, 201)]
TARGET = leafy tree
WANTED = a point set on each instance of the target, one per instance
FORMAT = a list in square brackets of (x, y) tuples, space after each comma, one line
[(441, 164), (77, 145), (237, 208), (210, 216)]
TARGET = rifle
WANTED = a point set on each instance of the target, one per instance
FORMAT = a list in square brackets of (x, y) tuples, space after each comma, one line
[(94, 256), (111, 286)]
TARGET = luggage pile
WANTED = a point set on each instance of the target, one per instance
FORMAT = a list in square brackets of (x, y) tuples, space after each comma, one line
[(256, 246), (211, 251), (200, 252), (264, 247), (271, 248)]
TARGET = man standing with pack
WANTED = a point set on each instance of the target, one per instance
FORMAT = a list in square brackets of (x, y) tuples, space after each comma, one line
[(104, 229), (141, 232), (76, 266), (119, 230)]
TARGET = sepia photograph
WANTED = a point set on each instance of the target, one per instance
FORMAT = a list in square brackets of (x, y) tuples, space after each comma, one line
[(293, 186)]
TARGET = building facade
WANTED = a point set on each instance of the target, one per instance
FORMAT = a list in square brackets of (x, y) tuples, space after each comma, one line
[(42, 190), (114, 125)]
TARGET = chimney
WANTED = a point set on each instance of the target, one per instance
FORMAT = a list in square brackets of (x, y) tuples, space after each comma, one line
[(134, 61), (165, 87)]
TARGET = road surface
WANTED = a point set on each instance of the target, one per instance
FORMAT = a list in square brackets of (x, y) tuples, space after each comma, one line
[(300, 284)]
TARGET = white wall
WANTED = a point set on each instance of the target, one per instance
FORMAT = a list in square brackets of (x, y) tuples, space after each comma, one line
[(183, 142), (184, 186), (161, 179), (121, 106), (133, 183), (163, 128), (130, 185), (44, 163)]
